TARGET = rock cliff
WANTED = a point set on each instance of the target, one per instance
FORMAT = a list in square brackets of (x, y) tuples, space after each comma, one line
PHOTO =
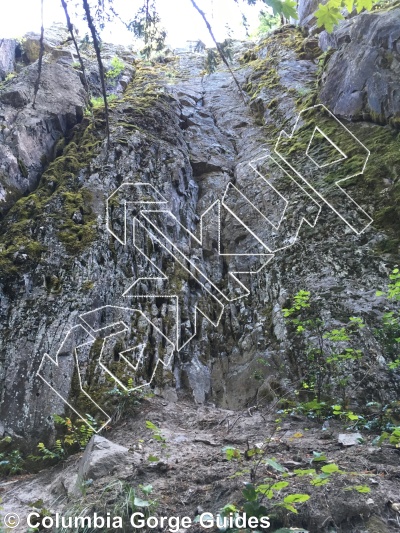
[(167, 255), (191, 138)]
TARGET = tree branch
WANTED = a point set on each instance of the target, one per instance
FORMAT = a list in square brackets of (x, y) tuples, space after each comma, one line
[(40, 64), (71, 31), (220, 51), (100, 63)]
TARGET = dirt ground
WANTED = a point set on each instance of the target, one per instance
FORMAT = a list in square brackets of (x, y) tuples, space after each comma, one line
[(190, 474)]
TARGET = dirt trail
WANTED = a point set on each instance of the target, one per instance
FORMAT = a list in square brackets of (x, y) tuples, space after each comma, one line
[(190, 473)]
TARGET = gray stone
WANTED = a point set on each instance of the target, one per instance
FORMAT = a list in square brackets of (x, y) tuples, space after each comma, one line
[(32, 132), (349, 439), (101, 458)]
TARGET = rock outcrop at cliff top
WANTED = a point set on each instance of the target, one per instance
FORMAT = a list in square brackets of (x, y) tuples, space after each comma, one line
[(362, 78)]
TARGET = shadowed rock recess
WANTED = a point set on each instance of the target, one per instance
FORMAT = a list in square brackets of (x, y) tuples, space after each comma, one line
[(76, 258)]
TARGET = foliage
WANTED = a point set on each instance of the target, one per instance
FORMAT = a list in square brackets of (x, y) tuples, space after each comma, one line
[(117, 67), (98, 102), (11, 460), (276, 493), (157, 435), (127, 400), (327, 357), (328, 15), (393, 437), (212, 58), (389, 333), (286, 8), (146, 25), (267, 23), (118, 499), (76, 437)]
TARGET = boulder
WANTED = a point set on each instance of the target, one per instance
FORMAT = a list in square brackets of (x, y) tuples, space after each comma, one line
[(362, 77), (54, 36), (101, 458)]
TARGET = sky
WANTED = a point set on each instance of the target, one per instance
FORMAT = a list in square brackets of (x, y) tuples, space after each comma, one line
[(179, 18)]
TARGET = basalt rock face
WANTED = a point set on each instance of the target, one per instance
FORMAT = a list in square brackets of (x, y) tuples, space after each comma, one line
[(96, 259), (28, 133), (361, 81)]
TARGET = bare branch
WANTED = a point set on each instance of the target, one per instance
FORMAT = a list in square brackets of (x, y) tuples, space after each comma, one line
[(40, 64), (71, 31), (220, 51), (99, 62)]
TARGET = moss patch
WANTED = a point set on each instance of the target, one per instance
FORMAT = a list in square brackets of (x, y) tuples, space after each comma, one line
[(58, 196)]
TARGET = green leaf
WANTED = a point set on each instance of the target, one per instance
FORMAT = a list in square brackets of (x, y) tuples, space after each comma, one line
[(231, 452), (249, 492), (364, 4), (153, 459), (280, 485), (290, 508), (349, 7), (296, 498), (275, 465), (330, 469), (318, 456), (268, 490), (320, 480), (304, 472), (287, 8), (362, 489), (147, 489), (328, 16)]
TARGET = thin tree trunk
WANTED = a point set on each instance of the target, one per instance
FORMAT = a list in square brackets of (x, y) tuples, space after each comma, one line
[(40, 64), (100, 63), (71, 31), (220, 51)]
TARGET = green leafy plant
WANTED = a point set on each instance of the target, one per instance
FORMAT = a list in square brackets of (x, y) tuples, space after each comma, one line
[(117, 67), (389, 333), (330, 14), (393, 437), (146, 26), (286, 8), (11, 462), (127, 399), (76, 437), (99, 102), (327, 357), (362, 489), (157, 435), (260, 499)]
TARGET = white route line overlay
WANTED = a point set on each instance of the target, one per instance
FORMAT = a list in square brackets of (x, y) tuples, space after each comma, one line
[(91, 333), (368, 153), (175, 345)]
